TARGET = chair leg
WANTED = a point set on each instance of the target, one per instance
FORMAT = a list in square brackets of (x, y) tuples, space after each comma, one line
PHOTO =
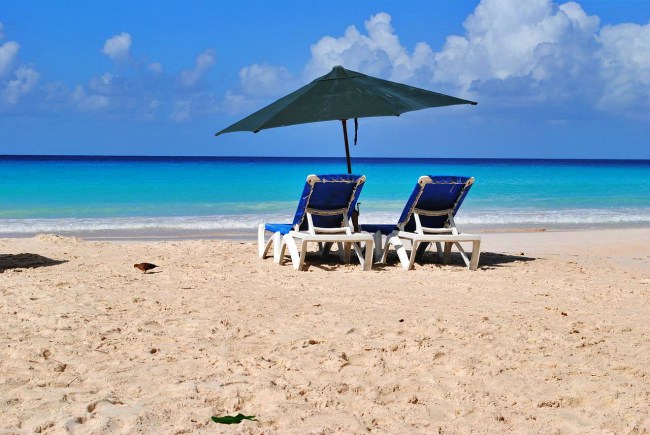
[(366, 264), (384, 254), (440, 251), (378, 246), (421, 249), (387, 243), (414, 252), (276, 239), (358, 252), (476, 253), (283, 248), (401, 251), (463, 254), (340, 250), (346, 252), (289, 243), (447, 254), (324, 248), (303, 253), (262, 245)]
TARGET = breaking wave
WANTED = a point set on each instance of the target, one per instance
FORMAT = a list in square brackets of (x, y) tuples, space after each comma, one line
[(247, 223)]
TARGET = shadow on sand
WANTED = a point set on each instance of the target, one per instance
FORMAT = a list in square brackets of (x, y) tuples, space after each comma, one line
[(489, 260), (26, 261)]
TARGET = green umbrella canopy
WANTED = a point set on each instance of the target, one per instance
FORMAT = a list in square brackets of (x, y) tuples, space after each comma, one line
[(342, 94)]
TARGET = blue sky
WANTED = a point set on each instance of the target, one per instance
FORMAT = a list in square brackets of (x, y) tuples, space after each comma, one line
[(553, 79)]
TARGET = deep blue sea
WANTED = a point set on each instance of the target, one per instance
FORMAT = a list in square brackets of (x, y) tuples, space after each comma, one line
[(210, 196)]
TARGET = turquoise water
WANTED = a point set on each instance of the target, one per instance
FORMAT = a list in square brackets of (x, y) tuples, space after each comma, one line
[(81, 194)]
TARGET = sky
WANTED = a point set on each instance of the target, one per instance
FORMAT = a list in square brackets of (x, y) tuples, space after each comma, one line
[(552, 79)]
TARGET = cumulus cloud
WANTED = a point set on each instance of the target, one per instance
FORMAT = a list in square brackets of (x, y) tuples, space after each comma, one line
[(511, 39), (264, 80), (194, 96), (118, 47), (142, 90), (531, 53), (16, 79), (131, 89), (189, 78), (82, 100), (378, 53), (538, 50), (512, 53), (196, 104), (235, 103), (8, 56), (258, 85), (625, 68), (114, 85), (25, 79)]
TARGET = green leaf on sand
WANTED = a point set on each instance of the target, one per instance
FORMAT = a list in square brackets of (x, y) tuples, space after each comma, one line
[(229, 419)]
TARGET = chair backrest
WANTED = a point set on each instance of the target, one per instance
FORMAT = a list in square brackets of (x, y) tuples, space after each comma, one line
[(330, 198), (434, 194)]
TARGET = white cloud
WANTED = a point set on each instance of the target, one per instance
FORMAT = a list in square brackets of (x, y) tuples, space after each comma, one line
[(24, 82), (512, 53), (539, 50), (195, 100), (196, 104), (118, 47), (133, 89), (377, 53), (8, 56), (110, 84), (625, 68), (16, 79), (511, 39), (235, 103), (204, 62), (258, 85), (264, 80), (143, 91), (533, 52), (91, 102)]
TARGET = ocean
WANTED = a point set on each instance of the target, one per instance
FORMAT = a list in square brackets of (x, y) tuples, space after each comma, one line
[(177, 197)]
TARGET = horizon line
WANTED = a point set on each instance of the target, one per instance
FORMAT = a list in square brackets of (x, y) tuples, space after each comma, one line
[(4, 156)]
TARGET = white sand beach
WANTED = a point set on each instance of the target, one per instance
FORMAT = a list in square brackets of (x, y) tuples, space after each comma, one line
[(550, 335)]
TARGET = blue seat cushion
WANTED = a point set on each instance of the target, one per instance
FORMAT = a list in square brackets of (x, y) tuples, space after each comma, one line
[(385, 229), (278, 228)]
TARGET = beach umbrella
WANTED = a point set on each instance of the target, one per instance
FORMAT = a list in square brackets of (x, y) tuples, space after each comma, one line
[(342, 94)]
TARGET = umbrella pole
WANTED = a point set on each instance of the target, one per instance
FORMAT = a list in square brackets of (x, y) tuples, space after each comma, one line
[(347, 146)]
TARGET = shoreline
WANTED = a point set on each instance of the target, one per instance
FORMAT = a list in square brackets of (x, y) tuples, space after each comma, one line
[(247, 235)]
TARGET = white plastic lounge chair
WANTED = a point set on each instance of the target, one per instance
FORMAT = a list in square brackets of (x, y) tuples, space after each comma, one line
[(428, 217), (323, 216)]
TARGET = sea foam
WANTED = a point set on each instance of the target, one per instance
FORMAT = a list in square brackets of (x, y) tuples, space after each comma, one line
[(248, 222)]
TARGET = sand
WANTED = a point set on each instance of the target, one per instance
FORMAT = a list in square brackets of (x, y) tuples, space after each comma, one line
[(550, 335)]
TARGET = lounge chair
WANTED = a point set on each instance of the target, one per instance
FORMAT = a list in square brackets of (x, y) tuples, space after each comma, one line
[(428, 217), (323, 216)]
